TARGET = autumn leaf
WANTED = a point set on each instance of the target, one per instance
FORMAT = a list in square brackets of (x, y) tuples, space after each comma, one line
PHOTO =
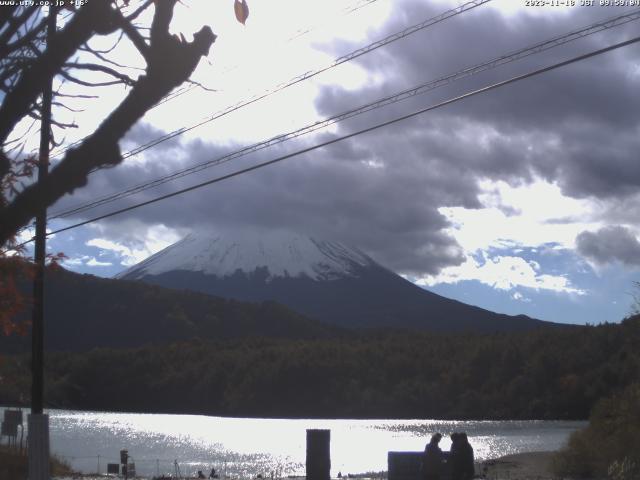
[(53, 261), (12, 299), (242, 10)]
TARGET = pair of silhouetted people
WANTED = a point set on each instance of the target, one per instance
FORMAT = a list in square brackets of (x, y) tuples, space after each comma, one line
[(459, 460)]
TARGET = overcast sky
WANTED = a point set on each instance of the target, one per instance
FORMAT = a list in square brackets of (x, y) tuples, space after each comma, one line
[(524, 199)]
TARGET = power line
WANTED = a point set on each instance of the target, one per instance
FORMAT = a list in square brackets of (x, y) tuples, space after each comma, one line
[(355, 54), (353, 134), (403, 95), (186, 89), (299, 33), (307, 75), (344, 11)]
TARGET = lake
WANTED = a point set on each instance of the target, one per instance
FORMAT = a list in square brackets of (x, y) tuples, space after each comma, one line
[(245, 447)]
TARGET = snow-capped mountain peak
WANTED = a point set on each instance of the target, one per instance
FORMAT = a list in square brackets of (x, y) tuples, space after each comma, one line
[(281, 254), (326, 281)]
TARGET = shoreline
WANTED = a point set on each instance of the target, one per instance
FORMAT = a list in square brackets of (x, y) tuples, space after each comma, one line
[(525, 465), (520, 466), (516, 466)]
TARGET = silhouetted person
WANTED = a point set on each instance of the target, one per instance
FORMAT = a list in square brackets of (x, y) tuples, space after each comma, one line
[(213, 473), (200, 474), (432, 459), (461, 458)]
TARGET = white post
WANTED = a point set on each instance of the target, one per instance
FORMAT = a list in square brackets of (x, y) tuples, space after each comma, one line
[(38, 443)]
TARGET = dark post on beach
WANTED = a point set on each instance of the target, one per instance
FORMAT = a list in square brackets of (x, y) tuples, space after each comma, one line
[(124, 460), (318, 454)]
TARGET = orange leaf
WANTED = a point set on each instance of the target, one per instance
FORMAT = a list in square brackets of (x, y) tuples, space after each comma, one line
[(242, 11)]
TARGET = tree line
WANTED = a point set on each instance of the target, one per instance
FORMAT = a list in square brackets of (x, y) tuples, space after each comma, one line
[(544, 374)]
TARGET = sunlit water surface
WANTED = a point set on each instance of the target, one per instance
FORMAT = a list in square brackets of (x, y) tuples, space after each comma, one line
[(245, 447)]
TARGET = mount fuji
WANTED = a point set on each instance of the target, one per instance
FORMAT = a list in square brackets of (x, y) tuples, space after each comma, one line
[(324, 280)]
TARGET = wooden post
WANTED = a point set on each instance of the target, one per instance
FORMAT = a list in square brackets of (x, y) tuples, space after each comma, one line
[(38, 422), (38, 442), (318, 454)]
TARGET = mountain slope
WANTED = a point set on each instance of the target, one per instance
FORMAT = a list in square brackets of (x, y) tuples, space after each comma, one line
[(323, 280), (83, 312)]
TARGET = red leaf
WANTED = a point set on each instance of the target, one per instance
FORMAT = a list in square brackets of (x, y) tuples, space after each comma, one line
[(242, 11)]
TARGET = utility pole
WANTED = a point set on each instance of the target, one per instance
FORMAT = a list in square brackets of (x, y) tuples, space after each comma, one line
[(39, 422)]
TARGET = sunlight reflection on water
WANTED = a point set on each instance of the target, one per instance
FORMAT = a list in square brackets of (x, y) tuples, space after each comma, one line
[(243, 448)]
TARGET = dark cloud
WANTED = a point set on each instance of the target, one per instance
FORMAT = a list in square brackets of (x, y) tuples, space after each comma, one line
[(610, 244), (577, 126), (143, 133), (349, 192)]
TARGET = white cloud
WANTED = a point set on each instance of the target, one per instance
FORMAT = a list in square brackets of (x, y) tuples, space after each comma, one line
[(133, 250), (516, 216), (109, 245), (25, 235), (535, 217), (97, 263), (518, 296), (74, 261), (503, 273)]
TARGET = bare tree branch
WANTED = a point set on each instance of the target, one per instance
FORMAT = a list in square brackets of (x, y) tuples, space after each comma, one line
[(13, 25), (101, 56), (94, 17), (84, 83), (63, 124), (67, 107), (5, 15), (133, 34), (19, 140), (141, 9), (5, 166), (122, 78), (31, 35), (198, 84), (171, 62), (68, 95), (108, 50)]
